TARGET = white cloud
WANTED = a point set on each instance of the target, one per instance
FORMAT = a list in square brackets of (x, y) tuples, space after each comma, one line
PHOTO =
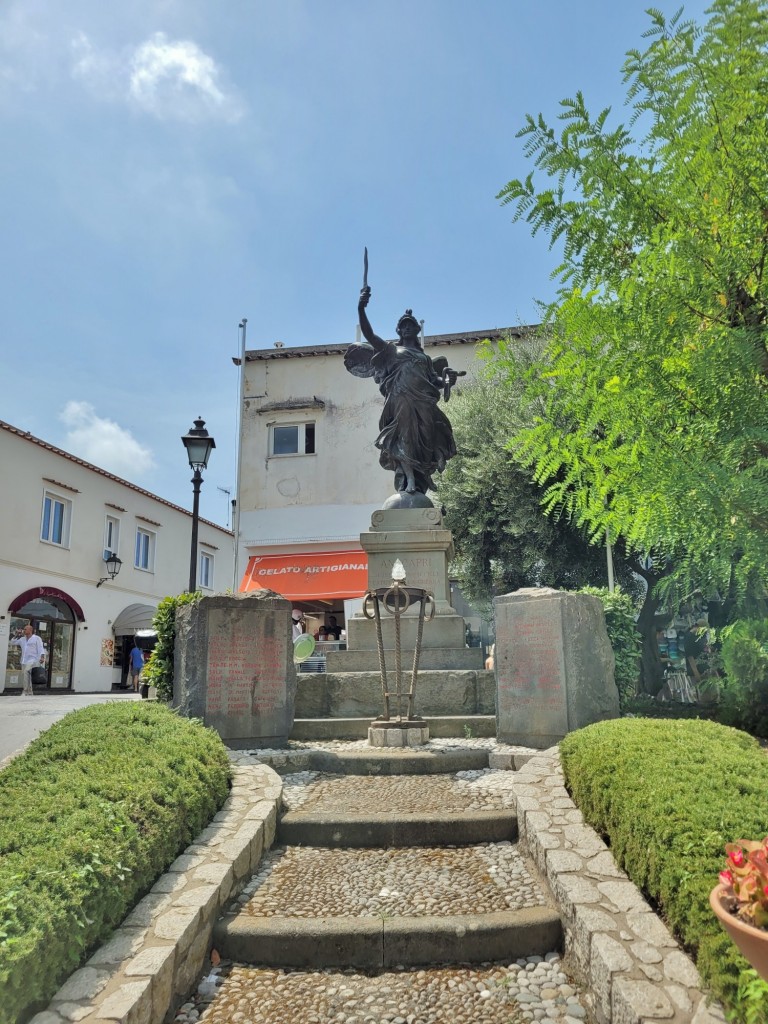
[(103, 442), (177, 78), (25, 52), (99, 70), (169, 79)]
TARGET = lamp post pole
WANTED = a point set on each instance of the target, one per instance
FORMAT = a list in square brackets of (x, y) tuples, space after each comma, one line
[(199, 445), (197, 480)]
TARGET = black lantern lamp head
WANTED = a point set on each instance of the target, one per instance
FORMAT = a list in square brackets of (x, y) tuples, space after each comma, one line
[(113, 564), (199, 445)]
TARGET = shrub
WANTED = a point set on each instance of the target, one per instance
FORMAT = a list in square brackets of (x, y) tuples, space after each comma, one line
[(669, 795), (625, 640), (745, 692), (159, 668), (91, 814)]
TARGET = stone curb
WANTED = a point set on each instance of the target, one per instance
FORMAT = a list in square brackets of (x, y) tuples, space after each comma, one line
[(632, 969), (149, 964)]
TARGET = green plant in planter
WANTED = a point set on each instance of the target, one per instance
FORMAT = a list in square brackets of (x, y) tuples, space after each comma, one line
[(745, 880), (159, 669)]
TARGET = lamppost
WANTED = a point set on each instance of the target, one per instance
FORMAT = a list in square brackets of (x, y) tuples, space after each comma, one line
[(113, 564), (199, 445)]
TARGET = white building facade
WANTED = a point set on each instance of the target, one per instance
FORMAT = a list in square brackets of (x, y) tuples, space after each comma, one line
[(59, 518), (309, 474)]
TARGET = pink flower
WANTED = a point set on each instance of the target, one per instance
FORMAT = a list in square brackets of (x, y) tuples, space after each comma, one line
[(745, 878)]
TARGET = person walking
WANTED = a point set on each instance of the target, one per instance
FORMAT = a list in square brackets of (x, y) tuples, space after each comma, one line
[(32, 655), (136, 664)]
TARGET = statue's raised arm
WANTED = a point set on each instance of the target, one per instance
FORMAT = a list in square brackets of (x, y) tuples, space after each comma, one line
[(365, 323)]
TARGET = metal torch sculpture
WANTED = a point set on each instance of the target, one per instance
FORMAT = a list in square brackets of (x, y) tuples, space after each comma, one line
[(405, 729)]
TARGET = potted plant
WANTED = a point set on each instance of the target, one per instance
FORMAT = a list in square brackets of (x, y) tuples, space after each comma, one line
[(740, 901)]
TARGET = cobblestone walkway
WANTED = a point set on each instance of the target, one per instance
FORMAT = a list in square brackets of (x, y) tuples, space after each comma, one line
[(536, 990), (308, 882), (466, 791)]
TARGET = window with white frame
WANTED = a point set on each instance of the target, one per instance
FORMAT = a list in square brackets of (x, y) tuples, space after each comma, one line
[(145, 549), (205, 574), (292, 439), (57, 515), (111, 534)]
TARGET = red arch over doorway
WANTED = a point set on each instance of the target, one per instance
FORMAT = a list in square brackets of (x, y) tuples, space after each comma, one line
[(35, 592)]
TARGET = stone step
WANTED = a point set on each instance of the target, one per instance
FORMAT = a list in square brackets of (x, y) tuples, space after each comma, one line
[(403, 869), (389, 933), (356, 694), (453, 726), (360, 759), (395, 811), (305, 828), (374, 943), (440, 659), (373, 908)]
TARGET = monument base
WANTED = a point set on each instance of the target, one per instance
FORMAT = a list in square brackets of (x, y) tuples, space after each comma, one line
[(554, 666), (233, 667), (411, 732), (415, 537)]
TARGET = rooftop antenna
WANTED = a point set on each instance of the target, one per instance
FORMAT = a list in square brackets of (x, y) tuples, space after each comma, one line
[(228, 492)]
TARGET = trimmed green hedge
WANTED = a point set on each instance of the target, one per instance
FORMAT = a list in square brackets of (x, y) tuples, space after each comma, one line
[(668, 795), (90, 814)]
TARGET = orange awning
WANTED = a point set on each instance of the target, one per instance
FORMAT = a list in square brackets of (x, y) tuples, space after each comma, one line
[(307, 576)]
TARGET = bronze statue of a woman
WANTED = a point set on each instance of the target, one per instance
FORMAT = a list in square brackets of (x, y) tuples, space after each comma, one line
[(415, 437)]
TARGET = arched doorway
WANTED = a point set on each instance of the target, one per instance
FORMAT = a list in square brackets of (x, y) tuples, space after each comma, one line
[(132, 626), (53, 616)]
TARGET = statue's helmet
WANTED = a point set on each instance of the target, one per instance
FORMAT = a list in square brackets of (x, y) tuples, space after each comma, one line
[(408, 317)]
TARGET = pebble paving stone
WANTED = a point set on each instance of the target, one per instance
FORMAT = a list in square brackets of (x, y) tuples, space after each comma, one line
[(532, 989), (465, 791), (303, 881)]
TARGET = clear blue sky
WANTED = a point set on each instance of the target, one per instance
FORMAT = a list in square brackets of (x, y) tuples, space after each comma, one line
[(170, 166)]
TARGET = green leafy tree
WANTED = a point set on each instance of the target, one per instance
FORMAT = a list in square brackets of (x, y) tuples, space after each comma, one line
[(620, 623), (503, 538), (653, 421)]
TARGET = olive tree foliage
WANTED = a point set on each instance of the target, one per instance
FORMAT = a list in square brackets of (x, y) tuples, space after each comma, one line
[(503, 537), (653, 411)]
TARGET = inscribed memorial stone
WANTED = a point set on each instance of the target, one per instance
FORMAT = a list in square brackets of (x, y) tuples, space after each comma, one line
[(554, 666), (234, 667)]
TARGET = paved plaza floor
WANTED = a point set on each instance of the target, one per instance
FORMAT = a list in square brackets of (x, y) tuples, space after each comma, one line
[(23, 718)]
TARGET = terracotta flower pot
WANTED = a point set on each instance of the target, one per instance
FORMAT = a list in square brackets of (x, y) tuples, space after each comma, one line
[(752, 942)]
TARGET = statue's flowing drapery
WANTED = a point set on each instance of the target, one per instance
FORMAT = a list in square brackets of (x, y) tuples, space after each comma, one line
[(414, 433)]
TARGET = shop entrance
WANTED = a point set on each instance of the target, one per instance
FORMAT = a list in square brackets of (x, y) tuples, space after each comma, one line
[(54, 622)]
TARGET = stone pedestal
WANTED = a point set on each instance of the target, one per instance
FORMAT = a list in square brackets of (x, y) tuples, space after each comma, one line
[(416, 536), (554, 666), (234, 667), (410, 733)]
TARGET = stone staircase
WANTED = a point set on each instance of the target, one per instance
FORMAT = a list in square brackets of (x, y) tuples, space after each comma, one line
[(393, 861)]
